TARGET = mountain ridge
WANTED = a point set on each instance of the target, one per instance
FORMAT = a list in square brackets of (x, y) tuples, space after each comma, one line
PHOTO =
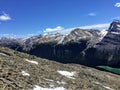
[(87, 47)]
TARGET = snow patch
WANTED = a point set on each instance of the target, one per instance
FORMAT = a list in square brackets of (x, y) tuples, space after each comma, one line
[(59, 82), (41, 88), (31, 61), (115, 32), (104, 86), (108, 88), (67, 74), (51, 86), (61, 39), (118, 25), (103, 32), (3, 54), (62, 82), (49, 80), (25, 73)]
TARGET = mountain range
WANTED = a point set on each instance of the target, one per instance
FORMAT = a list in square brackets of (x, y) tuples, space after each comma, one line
[(80, 46)]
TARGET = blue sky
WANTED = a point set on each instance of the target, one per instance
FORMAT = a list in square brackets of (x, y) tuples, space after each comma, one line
[(25, 17)]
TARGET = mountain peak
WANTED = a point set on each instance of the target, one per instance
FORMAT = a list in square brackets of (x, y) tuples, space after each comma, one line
[(115, 26)]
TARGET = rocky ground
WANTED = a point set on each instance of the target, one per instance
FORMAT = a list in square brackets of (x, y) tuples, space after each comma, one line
[(19, 71)]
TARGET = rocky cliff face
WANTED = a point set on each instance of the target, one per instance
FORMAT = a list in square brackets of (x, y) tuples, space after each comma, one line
[(107, 51), (20, 71), (67, 49), (115, 26), (112, 38)]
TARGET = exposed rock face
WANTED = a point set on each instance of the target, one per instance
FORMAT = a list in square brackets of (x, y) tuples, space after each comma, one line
[(66, 49), (115, 26), (107, 51), (112, 39), (76, 35), (19, 71)]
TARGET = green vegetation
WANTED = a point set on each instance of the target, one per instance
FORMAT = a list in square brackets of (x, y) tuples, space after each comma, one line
[(110, 69)]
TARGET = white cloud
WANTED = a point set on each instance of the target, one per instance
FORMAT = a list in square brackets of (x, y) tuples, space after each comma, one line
[(92, 14), (5, 17), (96, 26), (58, 28), (103, 26), (117, 4)]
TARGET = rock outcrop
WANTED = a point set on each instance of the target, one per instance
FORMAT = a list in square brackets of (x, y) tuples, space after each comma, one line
[(115, 26), (107, 51)]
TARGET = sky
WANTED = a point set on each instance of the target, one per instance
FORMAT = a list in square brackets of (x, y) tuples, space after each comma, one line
[(21, 18)]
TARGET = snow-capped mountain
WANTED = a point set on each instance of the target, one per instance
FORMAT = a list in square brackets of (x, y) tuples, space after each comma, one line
[(75, 35), (112, 38), (83, 46), (92, 35), (59, 47), (115, 26), (107, 51)]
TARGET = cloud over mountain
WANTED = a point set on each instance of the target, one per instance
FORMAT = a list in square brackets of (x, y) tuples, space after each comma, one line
[(96, 26), (58, 28)]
